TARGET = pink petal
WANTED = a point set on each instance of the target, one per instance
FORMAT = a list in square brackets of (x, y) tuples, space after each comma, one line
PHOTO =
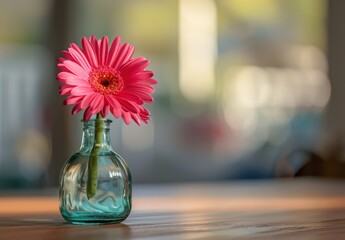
[(62, 67), (97, 103), (140, 87), (60, 59), (72, 100), (134, 66), (93, 40), (124, 53), (130, 106), (120, 55), (143, 75), (76, 109), (71, 79), (76, 69), (144, 112), (81, 90), (145, 120), (65, 76), (114, 48), (68, 55), (144, 96), (144, 115), (87, 114), (126, 116), (115, 107), (135, 118), (150, 81), (130, 97), (80, 57), (89, 52), (129, 54), (105, 109), (103, 51), (65, 89), (94, 44), (87, 100)]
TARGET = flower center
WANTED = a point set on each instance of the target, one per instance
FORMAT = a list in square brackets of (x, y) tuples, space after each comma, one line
[(105, 81)]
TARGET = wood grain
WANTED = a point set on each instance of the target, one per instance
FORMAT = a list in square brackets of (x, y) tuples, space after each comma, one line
[(277, 209)]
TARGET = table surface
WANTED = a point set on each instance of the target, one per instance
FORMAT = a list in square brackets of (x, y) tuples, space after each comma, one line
[(266, 209)]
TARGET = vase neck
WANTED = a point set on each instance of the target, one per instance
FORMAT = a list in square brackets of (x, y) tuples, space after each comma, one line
[(89, 135)]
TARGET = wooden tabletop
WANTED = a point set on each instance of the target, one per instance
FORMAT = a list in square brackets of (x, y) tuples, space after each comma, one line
[(266, 209)]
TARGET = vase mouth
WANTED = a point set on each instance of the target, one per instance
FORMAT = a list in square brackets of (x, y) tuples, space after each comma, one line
[(94, 120)]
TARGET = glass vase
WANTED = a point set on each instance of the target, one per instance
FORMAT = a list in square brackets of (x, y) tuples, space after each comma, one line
[(112, 197)]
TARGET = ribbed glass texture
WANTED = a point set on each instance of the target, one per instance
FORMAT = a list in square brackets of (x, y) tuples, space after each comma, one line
[(112, 201)]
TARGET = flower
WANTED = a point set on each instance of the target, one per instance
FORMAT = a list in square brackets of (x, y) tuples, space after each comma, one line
[(102, 79)]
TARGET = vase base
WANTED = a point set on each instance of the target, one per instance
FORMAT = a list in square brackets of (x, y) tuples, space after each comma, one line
[(94, 221), (90, 219)]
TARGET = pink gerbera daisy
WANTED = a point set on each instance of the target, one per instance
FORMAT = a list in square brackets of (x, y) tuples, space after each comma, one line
[(102, 79)]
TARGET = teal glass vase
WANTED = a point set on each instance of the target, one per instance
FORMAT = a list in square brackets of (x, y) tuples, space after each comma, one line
[(112, 199)]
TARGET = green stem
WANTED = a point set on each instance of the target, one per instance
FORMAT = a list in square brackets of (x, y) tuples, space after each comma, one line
[(93, 159)]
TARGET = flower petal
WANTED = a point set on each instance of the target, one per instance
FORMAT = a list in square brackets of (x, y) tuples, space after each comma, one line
[(131, 97), (76, 69), (103, 51), (129, 54), (144, 96), (87, 100), (143, 75), (126, 116), (144, 115), (134, 66), (89, 52), (114, 48), (77, 108), (150, 81), (81, 90), (60, 60), (94, 44), (97, 103), (65, 89), (105, 109), (139, 87), (71, 79), (128, 105), (62, 67), (124, 54), (87, 114), (72, 100), (80, 57), (68, 55), (136, 118), (115, 107)]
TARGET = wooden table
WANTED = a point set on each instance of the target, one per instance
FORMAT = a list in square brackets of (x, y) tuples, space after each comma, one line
[(267, 209)]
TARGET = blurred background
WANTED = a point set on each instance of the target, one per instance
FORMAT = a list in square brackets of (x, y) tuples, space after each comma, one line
[(247, 89)]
